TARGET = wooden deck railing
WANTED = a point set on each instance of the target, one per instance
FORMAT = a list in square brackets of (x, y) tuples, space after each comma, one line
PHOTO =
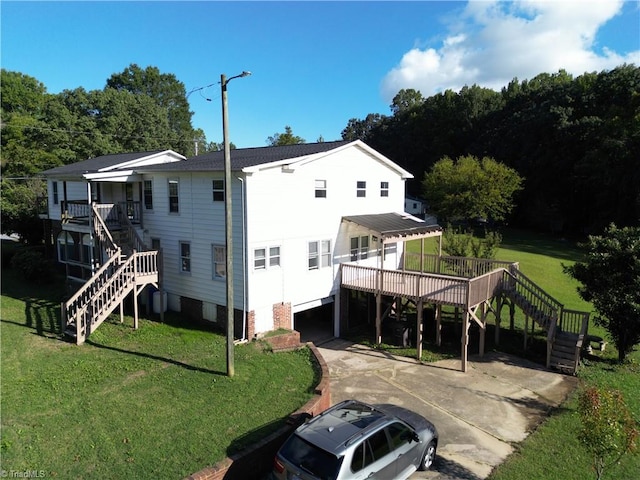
[(439, 289), (467, 267)]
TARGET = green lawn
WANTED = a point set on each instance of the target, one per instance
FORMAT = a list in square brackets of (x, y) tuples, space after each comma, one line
[(145, 404)]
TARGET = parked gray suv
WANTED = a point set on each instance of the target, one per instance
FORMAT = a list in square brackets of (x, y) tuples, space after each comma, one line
[(353, 440)]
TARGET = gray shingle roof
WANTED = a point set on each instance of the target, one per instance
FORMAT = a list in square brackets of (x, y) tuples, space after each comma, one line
[(245, 157), (94, 164), (211, 161)]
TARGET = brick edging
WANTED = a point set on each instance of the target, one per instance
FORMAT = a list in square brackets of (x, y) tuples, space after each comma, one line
[(259, 457)]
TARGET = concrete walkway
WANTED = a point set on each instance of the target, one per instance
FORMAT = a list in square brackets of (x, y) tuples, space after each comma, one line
[(479, 414)]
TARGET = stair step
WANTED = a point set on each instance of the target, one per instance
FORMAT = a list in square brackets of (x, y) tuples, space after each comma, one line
[(564, 348)]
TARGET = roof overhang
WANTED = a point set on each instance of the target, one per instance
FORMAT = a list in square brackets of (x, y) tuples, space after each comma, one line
[(114, 176), (396, 227)]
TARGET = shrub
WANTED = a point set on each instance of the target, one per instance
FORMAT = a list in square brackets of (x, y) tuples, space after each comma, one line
[(33, 266)]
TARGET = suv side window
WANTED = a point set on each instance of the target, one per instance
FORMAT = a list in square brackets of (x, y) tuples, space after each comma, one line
[(362, 457), (373, 448), (399, 434), (379, 445)]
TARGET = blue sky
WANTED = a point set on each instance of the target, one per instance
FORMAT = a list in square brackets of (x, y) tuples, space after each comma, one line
[(314, 65)]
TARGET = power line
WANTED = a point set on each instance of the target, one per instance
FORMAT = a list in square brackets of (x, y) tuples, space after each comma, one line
[(98, 132)]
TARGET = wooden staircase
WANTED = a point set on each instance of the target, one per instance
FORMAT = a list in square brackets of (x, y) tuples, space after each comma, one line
[(566, 329), (129, 267)]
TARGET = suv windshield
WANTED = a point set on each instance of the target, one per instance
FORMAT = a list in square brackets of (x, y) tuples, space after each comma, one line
[(310, 458)]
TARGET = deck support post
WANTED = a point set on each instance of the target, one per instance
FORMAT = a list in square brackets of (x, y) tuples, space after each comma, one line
[(465, 341), (483, 328), (419, 330), (498, 320), (438, 316), (122, 311), (526, 327), (378, 318), (135, 308), (512, 315)]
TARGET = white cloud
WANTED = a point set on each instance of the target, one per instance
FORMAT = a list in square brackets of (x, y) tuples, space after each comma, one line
[(494, 41)]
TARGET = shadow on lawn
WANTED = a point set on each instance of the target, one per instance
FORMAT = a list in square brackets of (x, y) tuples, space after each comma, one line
[(170, 361), (541, 245)]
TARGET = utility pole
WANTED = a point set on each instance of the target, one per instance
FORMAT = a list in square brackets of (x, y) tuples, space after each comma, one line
[(228, 222)]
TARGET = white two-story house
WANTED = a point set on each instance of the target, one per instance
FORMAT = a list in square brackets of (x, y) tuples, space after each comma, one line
[(298, 212)]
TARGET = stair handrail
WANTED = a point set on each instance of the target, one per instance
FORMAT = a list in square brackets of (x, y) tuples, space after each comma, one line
[(94, 283), (544, 303), (118, 275), (101, 231), (138, 264), (138, 242)]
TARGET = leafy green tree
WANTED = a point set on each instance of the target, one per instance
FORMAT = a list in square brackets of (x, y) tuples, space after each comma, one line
[(468, 189), (610, 278), (609, 431), (20, 205), (358, 129), (286, 138), (167, 92), (406, 100), (21, 93)]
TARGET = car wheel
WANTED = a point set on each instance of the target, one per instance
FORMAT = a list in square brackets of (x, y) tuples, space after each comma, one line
[(429, 456)]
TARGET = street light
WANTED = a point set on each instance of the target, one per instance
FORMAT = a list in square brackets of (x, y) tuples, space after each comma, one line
[(228, 218)]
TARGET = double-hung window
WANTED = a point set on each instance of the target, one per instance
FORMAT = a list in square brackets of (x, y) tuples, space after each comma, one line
[(185, 257), (261, 261), (319, 254), (56, 197), (219, 255), (218, 190), (147, 188), (173, 196), (321, 189), (359, 248), (361, 189), (384, 189), (274, 256)]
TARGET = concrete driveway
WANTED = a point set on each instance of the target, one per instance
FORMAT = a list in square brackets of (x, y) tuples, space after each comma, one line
[(479, 414)]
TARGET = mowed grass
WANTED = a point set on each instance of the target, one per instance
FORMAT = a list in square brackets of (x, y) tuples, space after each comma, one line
[(146, 404)]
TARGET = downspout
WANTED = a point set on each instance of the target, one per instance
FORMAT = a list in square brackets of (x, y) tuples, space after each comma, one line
[(245, 273)]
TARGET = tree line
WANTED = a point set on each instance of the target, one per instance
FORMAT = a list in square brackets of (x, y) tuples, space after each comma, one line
[(574, 141)]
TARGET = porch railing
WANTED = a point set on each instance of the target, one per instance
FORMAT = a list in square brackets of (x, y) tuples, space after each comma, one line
[(75, 210), (80, 210), (467, 267)]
